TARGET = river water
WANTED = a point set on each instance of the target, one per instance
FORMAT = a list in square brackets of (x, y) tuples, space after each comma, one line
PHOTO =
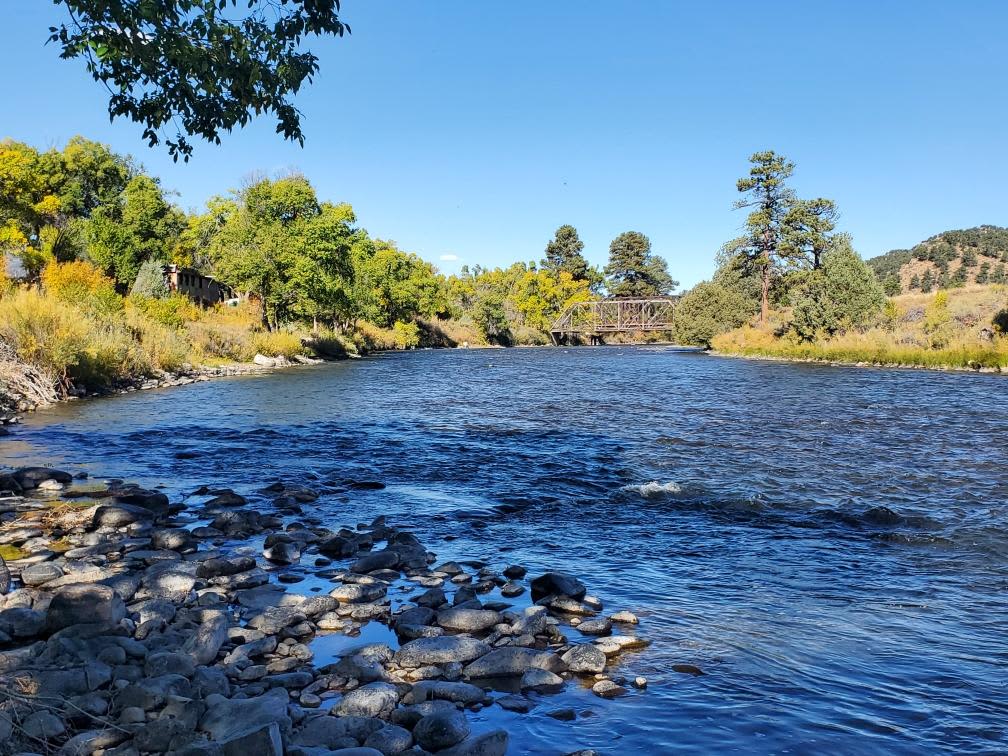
[(827, 544)]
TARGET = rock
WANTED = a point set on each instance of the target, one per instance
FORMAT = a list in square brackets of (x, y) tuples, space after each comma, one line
[(43, 725), (282, 549), (174, 539), (152, 692), (489, 744), (441, 690), (640, 682), (519, 704), (155, 501), (595, 627), (162, 735), (557, 584), (264, 739), (338, 547), (512, 661), (625, 618), (687, 669), (511, 589), (608, 689), (356, 593), (562, 715), (515, 572), (31, 477), (439, 731), (389, 740), (615, 644), (376, 560), (468, 620), (541, 681), (276, 618), (39, 574), (216, 567), (227, 498), (585, 660), (372, 700), (440, 650), (84, 603), (226, 719), (432, 598), (415, 615), (168, 583), (335, 732), (22, 622), (204, 644), (168, 662), (533, 621), (119, 516)]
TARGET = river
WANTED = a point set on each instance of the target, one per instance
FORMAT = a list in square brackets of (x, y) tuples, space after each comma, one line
[(827, 544)]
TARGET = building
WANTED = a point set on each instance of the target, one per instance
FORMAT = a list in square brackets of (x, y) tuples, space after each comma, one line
[(203, 290)]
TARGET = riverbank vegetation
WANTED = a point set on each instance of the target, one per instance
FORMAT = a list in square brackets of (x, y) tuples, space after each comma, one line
[(86, 236), (792, 288)]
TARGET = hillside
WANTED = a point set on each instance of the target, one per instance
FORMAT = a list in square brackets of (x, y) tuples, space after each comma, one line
[(947, 260)]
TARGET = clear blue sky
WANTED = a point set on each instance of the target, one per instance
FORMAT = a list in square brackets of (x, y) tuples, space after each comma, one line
[(474, 129)]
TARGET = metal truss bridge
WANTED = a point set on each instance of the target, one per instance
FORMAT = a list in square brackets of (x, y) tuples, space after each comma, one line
[(593, 319)]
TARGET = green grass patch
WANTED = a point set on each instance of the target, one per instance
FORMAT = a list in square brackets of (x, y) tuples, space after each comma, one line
[(12, 553)]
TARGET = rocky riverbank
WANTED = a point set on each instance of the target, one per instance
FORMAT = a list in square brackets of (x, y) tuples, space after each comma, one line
[(131, 624), (14, 400)]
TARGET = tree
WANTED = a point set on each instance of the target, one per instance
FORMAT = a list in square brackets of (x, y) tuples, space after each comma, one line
[(563, 253), (765, 248), (150, 281), (709, 309), (927, 282), (634, 271), (807, 226), (843, 293), (140, 225), (491, 320), (185, 63), (983, 275), (915, 282)]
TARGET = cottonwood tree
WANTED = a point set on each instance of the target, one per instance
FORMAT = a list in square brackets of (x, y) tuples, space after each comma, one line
[(764, 249), (634, 270), (198, 67)]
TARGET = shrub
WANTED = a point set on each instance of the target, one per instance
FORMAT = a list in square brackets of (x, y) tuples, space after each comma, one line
[(277, 344), (43, 331), (82, 284), (406, 335), (175, 310), (707, 310)]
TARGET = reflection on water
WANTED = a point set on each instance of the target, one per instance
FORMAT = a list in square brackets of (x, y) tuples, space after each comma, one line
[(828, 545)]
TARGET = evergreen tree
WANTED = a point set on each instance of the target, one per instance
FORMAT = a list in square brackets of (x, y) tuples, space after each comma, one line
[(634, 270), (765, 248), (915, 282), (563, 252), (709, 309), (843, 293), (983, 275), (927, 282), (807, 228), (150, 281)]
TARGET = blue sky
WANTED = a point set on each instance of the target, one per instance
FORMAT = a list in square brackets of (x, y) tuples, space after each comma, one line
[(471, 129)]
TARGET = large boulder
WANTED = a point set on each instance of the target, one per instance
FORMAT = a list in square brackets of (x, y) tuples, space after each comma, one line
[(488, 744), (512, 661), (155, 501), (557, 584), (468, 620), (436, 732), (32, 477), (120, 515), (227, 719), (585, 660), (84, 603), (375, 699), (440, 650)]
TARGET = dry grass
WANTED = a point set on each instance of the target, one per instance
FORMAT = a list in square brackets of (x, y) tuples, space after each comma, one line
[(915, 331)]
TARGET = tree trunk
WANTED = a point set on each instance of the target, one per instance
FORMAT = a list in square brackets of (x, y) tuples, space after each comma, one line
[(765, 300)]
